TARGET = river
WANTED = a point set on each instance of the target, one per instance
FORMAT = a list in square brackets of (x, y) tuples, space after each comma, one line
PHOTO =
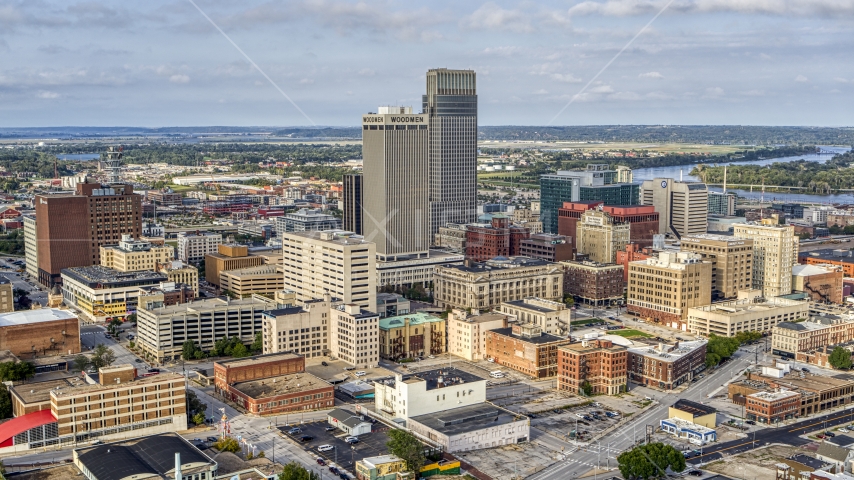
[(642, 174)]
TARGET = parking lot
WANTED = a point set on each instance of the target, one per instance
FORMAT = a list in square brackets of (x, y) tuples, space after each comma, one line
[(343, 455), (587, 420)]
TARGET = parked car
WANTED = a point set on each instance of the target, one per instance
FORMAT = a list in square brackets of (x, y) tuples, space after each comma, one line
[(696, 473), (321, 461), (579, 415), (333, 469), (431, 356), (329, 428), (344, 475), (212, 439), (294, 431), (361, 373), (351, 440), (843, 430), (750, 422), (829, 434), (324, 364), (306, 438), (325, 448)]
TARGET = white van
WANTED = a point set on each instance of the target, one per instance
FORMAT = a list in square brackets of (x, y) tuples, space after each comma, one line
[(496, 374)]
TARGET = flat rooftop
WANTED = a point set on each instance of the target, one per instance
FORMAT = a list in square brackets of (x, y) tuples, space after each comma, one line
[(717, 237), (26, 317), (468, 419), (108, 277), (484, 317), (258, 359), (39, 392), (809, 270), (151, 456), (208, 304), (670, 353), (281, 385), (694, 408), (502, 263), (530, 306), (740, 307), (830, 254), (540, 339), (416, 318), (449, 376), (87, 388)]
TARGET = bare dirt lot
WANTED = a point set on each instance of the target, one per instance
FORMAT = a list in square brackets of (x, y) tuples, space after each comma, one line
[(757, 464)]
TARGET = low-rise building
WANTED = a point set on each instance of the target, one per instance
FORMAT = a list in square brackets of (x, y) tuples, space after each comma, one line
[(300, 329), (744, 315), (135, 255), (591, 282), (228, 257), (467, 333), (102, 293), (391, 305), (592, 367), (696, 434), (165, 294), (665, 367), (472, 427), (193, 246), (274, 395), (552, 317), (693, 412), (818, 393), (412, 335), (179, 272), (788, 338), (526, 349), (428, 392), (772, 407), (258, 367), (662, 289), (349, 422), (161, 332), (481, 286), (262, 279), (823, 283), (40, 332), (548, 247), (414, 272)]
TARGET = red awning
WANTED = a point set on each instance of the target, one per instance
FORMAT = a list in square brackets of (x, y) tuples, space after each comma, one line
[(22, 424)]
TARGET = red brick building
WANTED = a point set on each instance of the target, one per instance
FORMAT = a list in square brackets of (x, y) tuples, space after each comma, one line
[(666, 366), (568, 217), (632, 253), (284, 393), (229, 372), (41, 332), (525, 348), (71, 228), (593, 282), (643, 220), (772, 407), (549, 247), (597, 362), (498, 239)]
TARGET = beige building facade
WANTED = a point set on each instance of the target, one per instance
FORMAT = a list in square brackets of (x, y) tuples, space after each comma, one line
[(263, 279), (180, 272), (481, 286), (726, 319), (662, 289), (299, 329), (682, 206), (775, 250), (731, 259), (467, 333), (789, 338), (134, 255), (552, 317), (328, 262), (354, 335), (601, 238)]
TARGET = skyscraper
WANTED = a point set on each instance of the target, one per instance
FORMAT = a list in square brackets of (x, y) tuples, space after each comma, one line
[(775, 250), (395, 208), (682, 206), (353, 203), (451, 107)]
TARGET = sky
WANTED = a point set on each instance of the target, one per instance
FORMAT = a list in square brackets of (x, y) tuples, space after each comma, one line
[(326, 62)]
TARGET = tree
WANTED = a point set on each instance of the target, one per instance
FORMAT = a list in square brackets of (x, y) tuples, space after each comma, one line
[(840, 358), (650, 461), (188, 349), (132, 318), (5, 402), (227, 444), (408, 448), (102, 356), (586, 388), (199, 418), (258, 344), (240, 351), (131, 344), (295, 471), (16, 371), (719, 349), (194, 405), (81, 362)]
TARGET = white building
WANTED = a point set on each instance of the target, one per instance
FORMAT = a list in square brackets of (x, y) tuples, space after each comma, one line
[(472, 427), (775, 250), (299, 329), (467, 333), (354, 335), (552, 317), (417, 270), (428, 392), (192, 247), (31, 245)]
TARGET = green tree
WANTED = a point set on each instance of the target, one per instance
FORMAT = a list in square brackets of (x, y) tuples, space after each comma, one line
[(408, 448), (586, 388), (102, 356), (132, 318), (188, 349), (5, 402), (650, 461), (199, 418), (227, 444), (258, 344), (840, 358), (81, 362), (16, 371), (720, 348), (295, 471), (194, 405), (239, 351)]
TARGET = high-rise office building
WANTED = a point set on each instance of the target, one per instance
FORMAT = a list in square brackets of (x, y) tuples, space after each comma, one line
[(775, 250), (722, 203), (353, 196), (395, 210), (451, 107), (682, 206), (72, 227), (600, 237), (732, 261)]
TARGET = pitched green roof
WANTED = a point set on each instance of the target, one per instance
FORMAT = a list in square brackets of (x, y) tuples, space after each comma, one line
[(415, 318)]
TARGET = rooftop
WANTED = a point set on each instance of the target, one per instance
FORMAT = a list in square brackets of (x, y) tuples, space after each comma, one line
[(774, 396), (380, 460), (38, 392), (281, 385), (539, 306), (283, 311), (87, 388), (715, 237), (416, 318), (694, 408), (512, 262), (686, 425), (484, 317), (209, 304), (26, 317), (669, 353), (746, 305), (468, 419), (544, 338), (153, 455), (340, 237), (807, 270), (449, 376), (108, 278), (347, 417), (258, 359)]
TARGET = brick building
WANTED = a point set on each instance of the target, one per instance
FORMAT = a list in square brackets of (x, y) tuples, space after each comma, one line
[(817, 392), (229, 372), (497, 239), (840, 257), (599, 363), (662, 289), (644, 220), (772, 407), (788, 338), (72, 227), (549, 247), (822, 282), (526, 349), (44, 331), (569, 216), (283, 393), (666, 366), (632, 253), (593, 282)]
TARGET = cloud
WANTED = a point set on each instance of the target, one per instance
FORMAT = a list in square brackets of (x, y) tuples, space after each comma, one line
[(654, 75), (541, 92), (840, 80), (47, 94), (713, 92), (801, 79), (792, 8), (501, 51), (628, 96), (565, 78), (179, 78), (53, 49), (493, 17), (602, 89), (753, 93), (306, 81), (367, 72)]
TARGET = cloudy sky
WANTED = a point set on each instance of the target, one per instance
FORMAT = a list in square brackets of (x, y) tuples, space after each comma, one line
[(163, 63)]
